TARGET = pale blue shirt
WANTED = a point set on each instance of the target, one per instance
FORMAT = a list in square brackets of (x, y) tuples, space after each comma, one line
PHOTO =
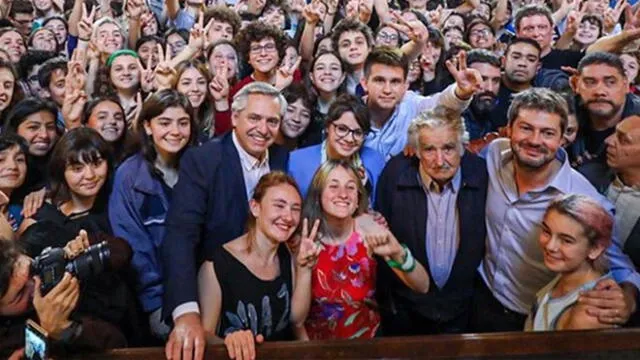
[(391, 138), (513, 267), (442, 232)]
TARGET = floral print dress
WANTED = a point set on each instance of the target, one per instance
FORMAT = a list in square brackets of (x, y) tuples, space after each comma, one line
[(343, 293)]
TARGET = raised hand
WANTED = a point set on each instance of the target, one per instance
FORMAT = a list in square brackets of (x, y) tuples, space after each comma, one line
[(632, 20), (72, 107), (414, 29), (309, 248), (284, 75), (365, 9), (468, 80), (146, 77), (311, 13), (164, 74), (198, 34), (351, 9), (76, 75), (85, 26), (134, 9), (219, 85), (573, 20), (434, 16)]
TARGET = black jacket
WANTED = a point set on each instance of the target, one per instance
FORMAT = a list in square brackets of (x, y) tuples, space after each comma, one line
[(209, 207), (402, 201)]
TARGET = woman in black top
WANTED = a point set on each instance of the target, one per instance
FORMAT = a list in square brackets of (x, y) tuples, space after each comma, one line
[(80, 166), (245, 291)]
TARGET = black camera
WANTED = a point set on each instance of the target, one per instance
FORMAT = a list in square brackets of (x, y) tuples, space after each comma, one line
[(51, 265)]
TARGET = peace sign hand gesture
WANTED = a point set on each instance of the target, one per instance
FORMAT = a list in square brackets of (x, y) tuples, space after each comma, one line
[(198, 34), (284, 75), (414, 29), (309, 248), (164, 73), (146, 77), (468, 81), (85, 25), (219, 85)]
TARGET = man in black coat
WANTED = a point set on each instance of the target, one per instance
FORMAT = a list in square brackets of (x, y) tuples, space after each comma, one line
[(435, 204), (210, 204)]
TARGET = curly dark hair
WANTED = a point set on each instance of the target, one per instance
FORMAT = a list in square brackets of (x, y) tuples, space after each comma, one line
[(255, 32), (224, 14)]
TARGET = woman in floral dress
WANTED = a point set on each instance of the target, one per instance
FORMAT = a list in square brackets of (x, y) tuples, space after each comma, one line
[(334, 296)]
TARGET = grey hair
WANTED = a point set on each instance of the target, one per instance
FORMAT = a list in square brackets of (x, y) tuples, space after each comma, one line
[(540, 99), (108, 20), (241, 99), (436, 118)]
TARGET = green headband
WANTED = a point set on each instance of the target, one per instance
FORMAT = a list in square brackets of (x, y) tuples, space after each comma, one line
[(117, 53)]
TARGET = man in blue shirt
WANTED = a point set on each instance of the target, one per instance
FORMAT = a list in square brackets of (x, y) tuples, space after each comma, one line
[(392, 107), (526, 172)]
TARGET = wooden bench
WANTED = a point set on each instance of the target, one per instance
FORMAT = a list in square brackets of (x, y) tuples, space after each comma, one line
[(565, 345)]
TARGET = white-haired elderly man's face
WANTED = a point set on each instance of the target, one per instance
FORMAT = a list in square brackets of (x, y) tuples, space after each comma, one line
[(440, 152), (256, 126)]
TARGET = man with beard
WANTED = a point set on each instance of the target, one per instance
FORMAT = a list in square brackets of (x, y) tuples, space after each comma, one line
[(521, 62), (477, 117), (604, 99), (526, 172)]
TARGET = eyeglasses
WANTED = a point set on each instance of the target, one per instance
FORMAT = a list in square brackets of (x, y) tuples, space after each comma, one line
[(388, 37), (257, 49), (481, 32), (343, 131)]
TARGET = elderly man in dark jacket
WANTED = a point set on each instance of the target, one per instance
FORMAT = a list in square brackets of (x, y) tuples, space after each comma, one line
[(435, 204)]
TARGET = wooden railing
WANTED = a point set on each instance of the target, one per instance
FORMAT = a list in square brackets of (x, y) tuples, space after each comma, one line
[(565, 345)]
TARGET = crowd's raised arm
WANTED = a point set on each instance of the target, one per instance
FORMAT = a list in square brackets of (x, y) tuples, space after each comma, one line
[(177, 173)]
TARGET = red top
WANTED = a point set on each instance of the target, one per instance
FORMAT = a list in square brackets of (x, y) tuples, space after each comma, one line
[(343, 288)]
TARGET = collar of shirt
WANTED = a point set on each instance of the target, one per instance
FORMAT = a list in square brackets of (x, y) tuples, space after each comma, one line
[(560, 179), (247, 160), (618, 186), (431, 185)]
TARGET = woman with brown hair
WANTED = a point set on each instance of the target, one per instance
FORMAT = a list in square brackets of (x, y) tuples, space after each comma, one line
[(335, 287), (245, 290), (142, 191), (193, 82)]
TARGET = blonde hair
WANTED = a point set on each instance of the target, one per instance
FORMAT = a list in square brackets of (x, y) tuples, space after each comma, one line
[(312, 209)]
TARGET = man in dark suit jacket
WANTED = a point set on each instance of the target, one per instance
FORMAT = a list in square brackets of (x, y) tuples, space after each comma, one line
[(435, 204), (210, 204)]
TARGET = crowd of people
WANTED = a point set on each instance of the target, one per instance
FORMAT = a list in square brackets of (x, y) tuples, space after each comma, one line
[(269, 170)]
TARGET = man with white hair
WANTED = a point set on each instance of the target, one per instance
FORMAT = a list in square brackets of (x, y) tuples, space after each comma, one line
[(434, 203), (211, 204)]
